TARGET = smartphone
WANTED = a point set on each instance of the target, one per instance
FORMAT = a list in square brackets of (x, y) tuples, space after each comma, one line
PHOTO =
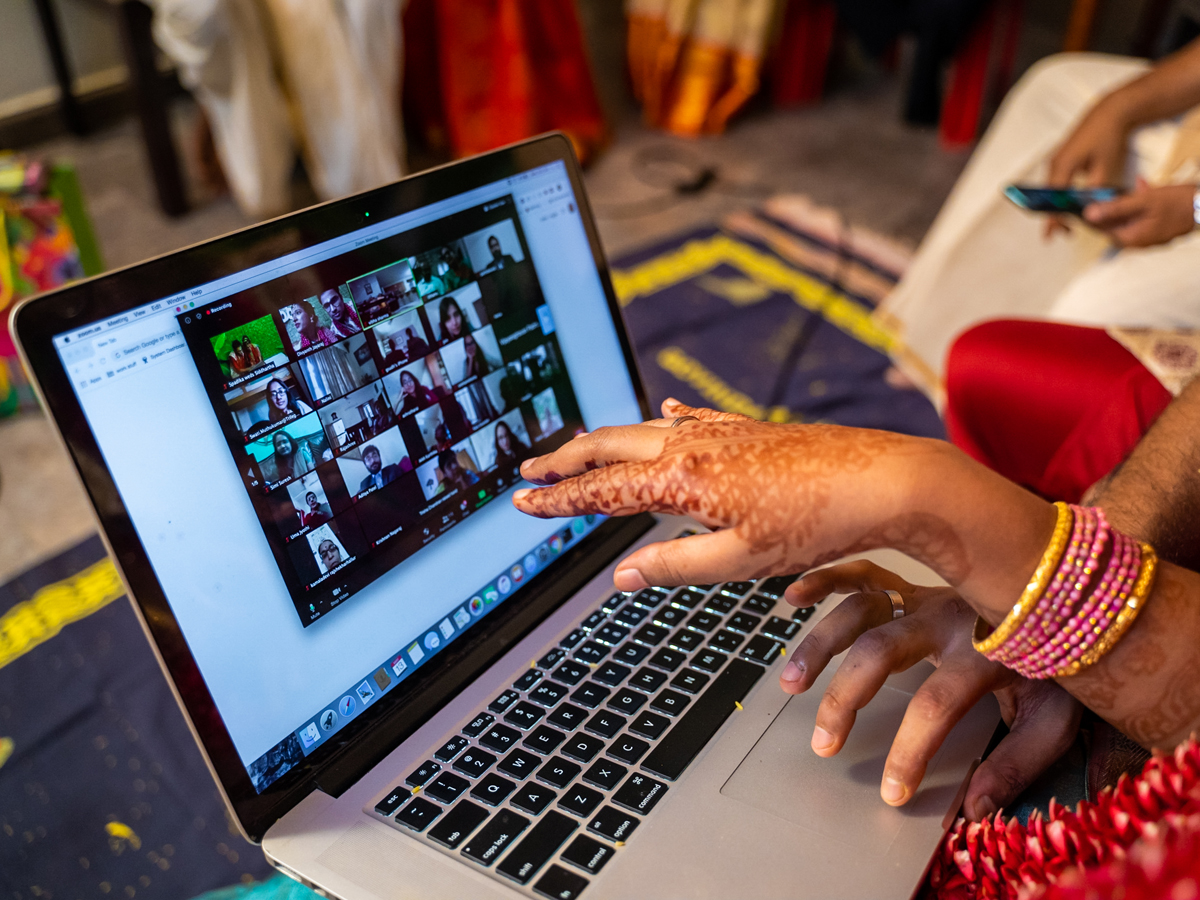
[(1058, 200)]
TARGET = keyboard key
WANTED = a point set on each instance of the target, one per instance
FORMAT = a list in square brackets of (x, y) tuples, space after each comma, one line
[(640, 793), (630, 653), (558, 772), (451, 748), (669, 702), (702, 588), (701, 722), (737, 588), (648, 680), (803, 613), (573, 638), (427, 770), (493, 789), (743, 622), (667, 659), (611, 673), (605, 723), (459, 822), (605, 774), (759, 605), (591, 652), (392, 801), (726, 641), (580, 800), (495, 837), (547, 694), (649, 725), (650, 597), (709, 660), (568, 717), (533, 798), (476, 726), (704, 621), (582, 747), (762, 649), (418, 814), (690, 681), (614, 601), (559, 884), (474, 762), (783, 629), (685, 640), (611, 634), (570, 673), (537, 847), (669, 616), (590, 695), (587, 854), (651, 635), (519, 764), (630, 615), (551, 659), (592, 622), (613, 824), (504, 701), (500, 738), (528, 680), (544, 739), (627, 701), (447, 787), (524, 715), (720, 604), (687, 599), (774, 587), (627, 749)]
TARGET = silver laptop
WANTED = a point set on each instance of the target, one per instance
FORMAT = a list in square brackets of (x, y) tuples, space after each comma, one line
[(299, 440)]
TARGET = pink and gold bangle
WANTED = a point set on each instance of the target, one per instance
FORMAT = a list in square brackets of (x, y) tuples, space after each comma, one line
[(987, 643)]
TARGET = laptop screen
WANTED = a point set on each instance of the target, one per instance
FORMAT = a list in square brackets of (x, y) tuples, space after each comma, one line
[(315, 451)]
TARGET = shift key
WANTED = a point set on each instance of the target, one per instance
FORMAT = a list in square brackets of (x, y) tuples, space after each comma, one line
[(537, 847), (494, 838)]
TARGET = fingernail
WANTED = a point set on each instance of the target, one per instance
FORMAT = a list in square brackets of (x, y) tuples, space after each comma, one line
[(893, 792), (791, 672), (985, 806), (821, 739), (630, 580), (519, 496)]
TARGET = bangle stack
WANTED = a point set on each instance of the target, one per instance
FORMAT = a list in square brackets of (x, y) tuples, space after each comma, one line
[(1073, 612)]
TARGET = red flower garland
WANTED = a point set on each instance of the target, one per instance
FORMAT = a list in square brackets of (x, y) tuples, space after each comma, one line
[(1139, 840)]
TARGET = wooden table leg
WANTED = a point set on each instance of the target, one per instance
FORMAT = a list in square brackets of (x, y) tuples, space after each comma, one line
[(1079, 26), (67, 104)]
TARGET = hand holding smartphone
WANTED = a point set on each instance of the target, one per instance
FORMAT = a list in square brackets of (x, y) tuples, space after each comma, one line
[(1058, 200)]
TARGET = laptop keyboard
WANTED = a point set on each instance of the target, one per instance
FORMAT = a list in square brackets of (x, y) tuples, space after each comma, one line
[(549, 781)]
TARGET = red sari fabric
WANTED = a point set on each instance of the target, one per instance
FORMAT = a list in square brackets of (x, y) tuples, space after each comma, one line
[(1050, 406), (483, 73)]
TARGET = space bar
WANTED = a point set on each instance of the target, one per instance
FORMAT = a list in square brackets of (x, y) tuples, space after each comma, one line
[(676, 751)]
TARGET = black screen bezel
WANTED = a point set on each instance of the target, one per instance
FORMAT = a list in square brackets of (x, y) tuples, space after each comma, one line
[(38, 320)]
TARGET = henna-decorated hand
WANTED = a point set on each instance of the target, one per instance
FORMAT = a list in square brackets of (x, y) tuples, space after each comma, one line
[(779, 498), (1042, 717)]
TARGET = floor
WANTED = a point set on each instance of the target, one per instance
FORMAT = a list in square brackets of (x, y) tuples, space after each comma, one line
[(851, 152)]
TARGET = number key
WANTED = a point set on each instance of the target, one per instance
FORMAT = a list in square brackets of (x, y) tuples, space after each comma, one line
[(547, 693), (524, 716), (630, 615)]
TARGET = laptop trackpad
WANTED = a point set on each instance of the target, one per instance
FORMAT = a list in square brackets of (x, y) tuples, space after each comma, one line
[(837, 797)]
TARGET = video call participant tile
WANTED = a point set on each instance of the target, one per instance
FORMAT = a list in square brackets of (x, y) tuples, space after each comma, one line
[(419, 385), (357, 417), (262, 404), (385, 292), (252, 347), (441, 270), (290, 451), (401, 339), (547, 419), (474, 355), (337, 370), (506, 387), (476, 405), (309, 501), (454, 468), (375, 463), (327, 549), (456, 314), (494, 248), (502, 444)]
